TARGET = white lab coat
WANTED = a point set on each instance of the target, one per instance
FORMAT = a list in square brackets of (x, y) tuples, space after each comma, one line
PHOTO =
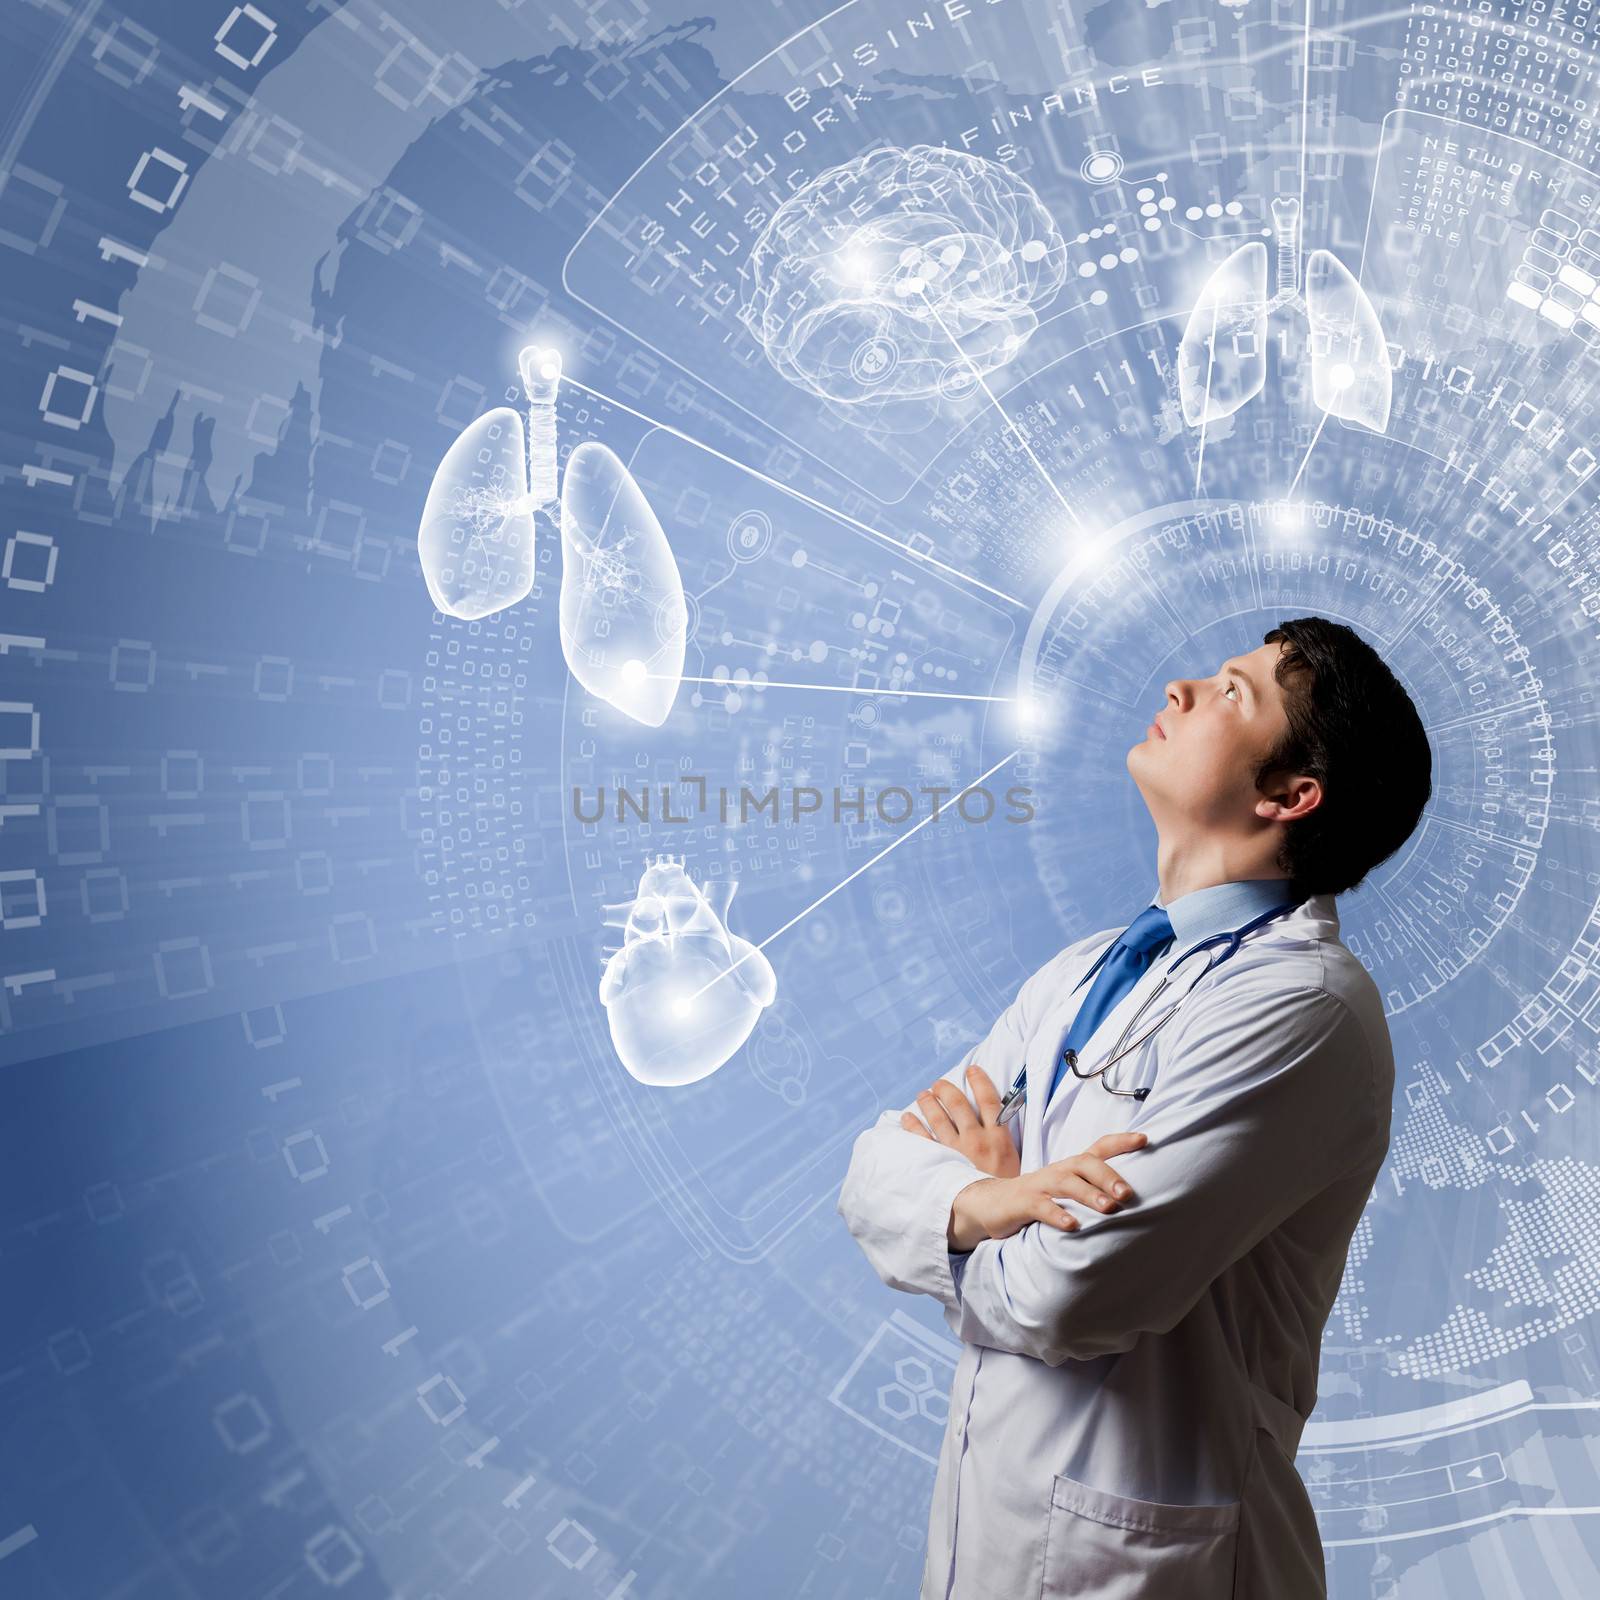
[(1128, 1402)]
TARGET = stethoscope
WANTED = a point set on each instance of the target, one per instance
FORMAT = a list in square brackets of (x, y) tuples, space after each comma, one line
[(1018, 1092)]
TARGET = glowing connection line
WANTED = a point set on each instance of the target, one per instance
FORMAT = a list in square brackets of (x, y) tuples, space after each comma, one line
[(893, 845), (1021, 437), (805, 499), (843, 688)]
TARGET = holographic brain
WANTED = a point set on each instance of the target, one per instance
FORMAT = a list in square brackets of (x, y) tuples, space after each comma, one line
[(904, 275)]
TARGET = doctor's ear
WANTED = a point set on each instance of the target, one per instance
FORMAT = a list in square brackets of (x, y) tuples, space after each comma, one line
[(1286, 797)]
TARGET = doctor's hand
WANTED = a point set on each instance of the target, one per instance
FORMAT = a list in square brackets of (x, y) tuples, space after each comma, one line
[(996, 1208), (979, 1135)]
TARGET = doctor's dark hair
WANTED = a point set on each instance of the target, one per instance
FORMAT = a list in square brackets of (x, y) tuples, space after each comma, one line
[(1353, 727)]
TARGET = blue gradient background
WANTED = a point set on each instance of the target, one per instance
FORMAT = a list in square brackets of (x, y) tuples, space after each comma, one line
[(338, 1249)]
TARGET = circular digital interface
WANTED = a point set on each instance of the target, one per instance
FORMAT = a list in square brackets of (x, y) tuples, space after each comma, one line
[(1105, 640)]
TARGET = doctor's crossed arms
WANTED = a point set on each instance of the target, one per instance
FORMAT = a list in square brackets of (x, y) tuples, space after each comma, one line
[(980, 1136), (1000, 1205)]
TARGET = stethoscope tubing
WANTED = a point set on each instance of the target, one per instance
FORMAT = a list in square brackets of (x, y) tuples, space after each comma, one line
[(1232, 938)]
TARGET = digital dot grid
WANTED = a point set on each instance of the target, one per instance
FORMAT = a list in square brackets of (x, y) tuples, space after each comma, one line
[(1108, 259), (1347, 1306), (900, 671), (1428, 1148), (1431, 1149), (1467, 1339), (1548, 1257), (1550, 1226), (1153, 208), (1215, 210)]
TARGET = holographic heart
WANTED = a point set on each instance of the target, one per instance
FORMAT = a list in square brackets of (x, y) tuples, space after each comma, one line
[(683, 993)]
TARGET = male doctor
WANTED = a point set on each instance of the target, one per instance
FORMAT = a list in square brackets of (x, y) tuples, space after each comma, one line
[(1141, 1320)]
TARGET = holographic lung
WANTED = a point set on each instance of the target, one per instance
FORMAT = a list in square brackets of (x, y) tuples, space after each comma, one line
[(623, 618), (1350, 376), (901, 276), (683, 993), (477, 535), (1222, 360)]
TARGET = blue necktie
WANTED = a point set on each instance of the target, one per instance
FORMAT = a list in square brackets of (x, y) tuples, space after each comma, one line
[(1125, 963)]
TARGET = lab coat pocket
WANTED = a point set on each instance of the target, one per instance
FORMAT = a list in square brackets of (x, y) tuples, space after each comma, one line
[(1101, 1546)]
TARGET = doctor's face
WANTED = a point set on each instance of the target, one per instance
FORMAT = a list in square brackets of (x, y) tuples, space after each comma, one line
[(1199, 757)]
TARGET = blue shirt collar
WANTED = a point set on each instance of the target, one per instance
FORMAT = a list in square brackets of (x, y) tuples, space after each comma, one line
[(1222, 907)]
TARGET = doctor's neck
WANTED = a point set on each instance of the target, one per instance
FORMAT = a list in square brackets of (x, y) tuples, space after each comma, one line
[(1187, 862)]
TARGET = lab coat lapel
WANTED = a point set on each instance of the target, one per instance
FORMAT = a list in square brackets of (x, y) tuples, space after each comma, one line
[(1039, 1064), (1110, 1113), (1317, 918)]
